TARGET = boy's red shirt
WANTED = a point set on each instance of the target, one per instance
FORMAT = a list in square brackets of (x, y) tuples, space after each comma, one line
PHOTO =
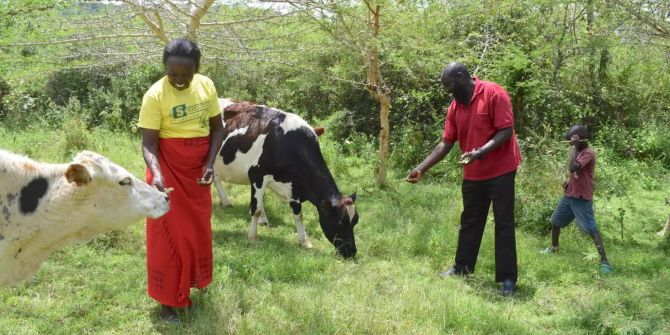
[(582, 182)]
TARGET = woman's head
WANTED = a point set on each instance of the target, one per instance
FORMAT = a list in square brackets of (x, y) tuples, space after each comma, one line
[(181, 59)]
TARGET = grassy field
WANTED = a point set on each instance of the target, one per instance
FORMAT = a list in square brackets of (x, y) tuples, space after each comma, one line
[(407, 234)]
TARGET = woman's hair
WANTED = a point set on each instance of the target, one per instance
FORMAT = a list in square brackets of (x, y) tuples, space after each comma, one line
[(182, 47)]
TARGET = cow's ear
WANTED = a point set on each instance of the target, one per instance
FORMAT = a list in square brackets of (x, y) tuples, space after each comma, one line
[(319, 130), (353, 197), (326, 204), (78, 174)]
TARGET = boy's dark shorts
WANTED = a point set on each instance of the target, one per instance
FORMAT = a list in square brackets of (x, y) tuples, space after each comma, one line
[(578, 209)]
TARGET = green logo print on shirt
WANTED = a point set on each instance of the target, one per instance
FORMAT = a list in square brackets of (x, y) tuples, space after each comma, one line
[(178, 112), (182, 113)]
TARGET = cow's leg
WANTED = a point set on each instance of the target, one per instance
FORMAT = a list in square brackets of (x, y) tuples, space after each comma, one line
[(225, 202), (263, 219), (299, 227), (256, 205), (666, 230)]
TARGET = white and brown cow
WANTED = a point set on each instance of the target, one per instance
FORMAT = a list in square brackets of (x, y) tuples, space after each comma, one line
[(268, 148), (44, 207)]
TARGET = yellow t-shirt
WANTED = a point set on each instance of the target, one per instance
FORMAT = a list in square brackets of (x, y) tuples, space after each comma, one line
[(180, 114)]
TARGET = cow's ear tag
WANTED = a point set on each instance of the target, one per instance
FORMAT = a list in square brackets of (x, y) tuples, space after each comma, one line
[(78, 174)]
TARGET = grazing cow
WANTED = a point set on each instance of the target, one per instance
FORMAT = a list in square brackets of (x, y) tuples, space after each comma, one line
[(46, 206), (269, 148)]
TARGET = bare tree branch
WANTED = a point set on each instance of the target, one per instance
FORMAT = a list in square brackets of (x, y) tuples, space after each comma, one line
[(645, 15), (177, 9), (156, 27), (79, 40), (253, 19)]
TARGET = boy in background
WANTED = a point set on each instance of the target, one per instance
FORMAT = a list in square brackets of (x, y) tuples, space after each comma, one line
[(577, 201)]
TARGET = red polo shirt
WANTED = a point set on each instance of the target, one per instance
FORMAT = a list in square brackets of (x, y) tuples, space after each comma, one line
[(472, 126)]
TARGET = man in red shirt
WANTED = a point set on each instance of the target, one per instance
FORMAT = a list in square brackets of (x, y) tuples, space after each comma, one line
[(480, 119), (577, 202)]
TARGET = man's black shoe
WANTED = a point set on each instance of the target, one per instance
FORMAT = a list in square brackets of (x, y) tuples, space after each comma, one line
[(508, 287), (452, 272)]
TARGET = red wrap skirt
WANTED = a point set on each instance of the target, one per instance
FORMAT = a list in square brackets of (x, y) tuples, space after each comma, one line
[(179, 244)]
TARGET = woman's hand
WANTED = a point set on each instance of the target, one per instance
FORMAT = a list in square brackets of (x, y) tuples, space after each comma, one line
[(207, 176), (157, 182)]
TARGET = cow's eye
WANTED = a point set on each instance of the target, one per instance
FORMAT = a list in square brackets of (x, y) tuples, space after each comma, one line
[(126, 181)]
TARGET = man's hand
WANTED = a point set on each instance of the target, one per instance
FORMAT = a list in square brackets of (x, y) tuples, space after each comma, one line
[(469, 157), (414, 176), (207, 176)]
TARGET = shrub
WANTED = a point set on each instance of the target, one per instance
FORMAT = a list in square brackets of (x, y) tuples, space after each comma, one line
[(75, 136), (538, 184), (24, 105), (652, 143)]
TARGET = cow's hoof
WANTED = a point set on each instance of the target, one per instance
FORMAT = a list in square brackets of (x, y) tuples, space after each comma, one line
[(306, 245), (227, 205), (253, 238)]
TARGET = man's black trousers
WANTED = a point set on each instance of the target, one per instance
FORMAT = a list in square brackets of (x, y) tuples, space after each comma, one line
[(477, 198)]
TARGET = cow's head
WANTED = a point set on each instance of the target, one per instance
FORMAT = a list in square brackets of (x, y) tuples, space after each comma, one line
[(114, 196), (337, 219)]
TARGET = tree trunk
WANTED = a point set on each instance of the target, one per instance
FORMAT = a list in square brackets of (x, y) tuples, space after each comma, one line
[(384, 133), (559, 58), (197, 12), (378, 89), (593, 44)]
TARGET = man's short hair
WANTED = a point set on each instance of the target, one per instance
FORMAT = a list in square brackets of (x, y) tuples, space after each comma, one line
[(578, 129), (452, 69)]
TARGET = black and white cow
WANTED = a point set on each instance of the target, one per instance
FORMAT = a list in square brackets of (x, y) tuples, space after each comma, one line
[(269, 148)]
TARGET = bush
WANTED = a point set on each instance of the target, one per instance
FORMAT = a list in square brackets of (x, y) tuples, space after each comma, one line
[(413, 142), (652, 143), (108, 97), (65, 84), (75, 136), (538, 184), (24, 105)]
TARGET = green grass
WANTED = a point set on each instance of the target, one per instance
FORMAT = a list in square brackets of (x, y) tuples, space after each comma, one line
[(407, 234)]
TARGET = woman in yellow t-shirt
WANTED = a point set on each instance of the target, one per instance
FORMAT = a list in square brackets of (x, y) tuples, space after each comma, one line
[(182, 131)]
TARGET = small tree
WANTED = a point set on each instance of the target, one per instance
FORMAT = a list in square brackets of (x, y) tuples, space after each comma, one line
[(358, 27)]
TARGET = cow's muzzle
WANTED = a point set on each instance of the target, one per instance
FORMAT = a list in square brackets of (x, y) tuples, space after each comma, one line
[(345, 249)]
